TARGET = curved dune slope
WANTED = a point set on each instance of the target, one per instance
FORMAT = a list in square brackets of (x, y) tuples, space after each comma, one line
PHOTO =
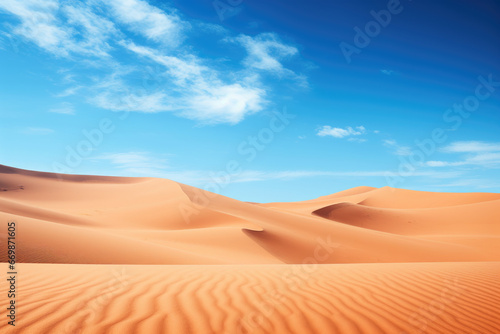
[(117, 220), (143, 255), (344, 299), (476, 218)]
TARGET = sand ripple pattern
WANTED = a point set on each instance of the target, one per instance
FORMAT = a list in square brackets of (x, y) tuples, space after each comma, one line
[(356, 298)]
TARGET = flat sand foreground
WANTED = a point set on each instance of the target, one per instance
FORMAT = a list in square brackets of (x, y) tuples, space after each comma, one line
[(348, 298)]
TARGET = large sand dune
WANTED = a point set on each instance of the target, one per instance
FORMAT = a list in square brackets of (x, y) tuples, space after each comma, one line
[(364, 260)]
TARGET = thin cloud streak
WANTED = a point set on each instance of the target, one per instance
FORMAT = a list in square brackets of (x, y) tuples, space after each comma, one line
[(93, 33)]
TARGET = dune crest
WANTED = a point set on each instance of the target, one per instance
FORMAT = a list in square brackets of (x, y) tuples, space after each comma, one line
[(175, 223), (121, 255)]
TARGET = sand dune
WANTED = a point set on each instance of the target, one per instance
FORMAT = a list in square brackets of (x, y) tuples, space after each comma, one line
[(462, 219), (363, 260), (157, 221)]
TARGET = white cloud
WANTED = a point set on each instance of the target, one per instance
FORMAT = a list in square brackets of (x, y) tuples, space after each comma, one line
[(67, 28), (398, 149), (485, 158), (357, 140), (224, 103), (37, 22), (197, 92), (249, 176), (69, 91), (183, 71), (93, 32), (210, 28), (477, 154), (201, 178), (61, 29), (139, 163), (327, 130), (388, 72), (113, 93), (149, 21), (471, 147), (490, 160), (476, 183), (117, 100), (434, 163), (266, 52), (37, 131), (136, 163), (63, 108), (252, 175), (131, 159)]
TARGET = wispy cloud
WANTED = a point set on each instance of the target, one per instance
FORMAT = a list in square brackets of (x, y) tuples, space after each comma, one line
[(139, 163), (357, 140), (471, 147), (63, 29), (476, 153), (63, 108), (201, 178), (37, 131), (136, 163), (436, 163), (474, 183), (90, 32), (396, 148), (37, 23), (69, 91), (249, 176), (121, 99), (388, 72), (327, 130), (490, 160), (196, 92), (149, 21), (96, 33), (266, 52), (210, 27), (252, 175)]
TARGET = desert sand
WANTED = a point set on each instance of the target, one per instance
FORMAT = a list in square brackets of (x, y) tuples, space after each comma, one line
[(144, 255)]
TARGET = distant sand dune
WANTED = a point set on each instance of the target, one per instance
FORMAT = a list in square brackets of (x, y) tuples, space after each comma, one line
[(157, 221), (475, 218), (101, 254)]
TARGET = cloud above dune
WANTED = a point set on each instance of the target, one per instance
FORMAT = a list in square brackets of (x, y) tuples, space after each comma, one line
[(37, 131), (327, 130), (474, 153), (63, 108), (266, 52), (471, 147), (135, 163), (149, 21), (396, 148), (119, 42)]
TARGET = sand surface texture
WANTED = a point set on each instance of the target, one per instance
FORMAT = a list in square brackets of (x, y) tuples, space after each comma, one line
[(143, 255)]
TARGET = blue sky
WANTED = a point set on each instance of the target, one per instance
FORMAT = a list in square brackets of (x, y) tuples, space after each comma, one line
[(256, 100)]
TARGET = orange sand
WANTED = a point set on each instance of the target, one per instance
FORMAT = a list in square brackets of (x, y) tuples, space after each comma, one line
[(380, 260)]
